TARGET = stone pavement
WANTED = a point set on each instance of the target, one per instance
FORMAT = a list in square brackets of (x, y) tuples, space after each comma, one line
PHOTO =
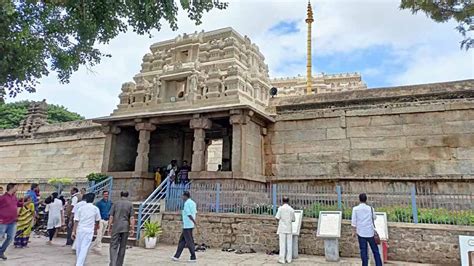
[(39, 253)]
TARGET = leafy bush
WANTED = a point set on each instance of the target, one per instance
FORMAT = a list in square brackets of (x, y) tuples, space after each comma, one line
[(152, 229), (97, 177), (63, 181), (404, 214)]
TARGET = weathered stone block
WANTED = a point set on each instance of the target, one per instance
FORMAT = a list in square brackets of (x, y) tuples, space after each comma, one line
[(317, 146), (336, 133), (422, 130), (465, 153), (376, 154), (378, 143), (375, 131), (457, 127), (330, 156)]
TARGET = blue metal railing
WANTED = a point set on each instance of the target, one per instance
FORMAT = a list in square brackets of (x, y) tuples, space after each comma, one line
[(104, 185), (167, 191), (151, 205)]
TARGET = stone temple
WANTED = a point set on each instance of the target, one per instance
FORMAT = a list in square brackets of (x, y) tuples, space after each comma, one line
[(204, 97)]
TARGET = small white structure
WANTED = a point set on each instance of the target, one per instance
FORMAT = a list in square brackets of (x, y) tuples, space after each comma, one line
[(329, 228), (296, 226), (466, 248)]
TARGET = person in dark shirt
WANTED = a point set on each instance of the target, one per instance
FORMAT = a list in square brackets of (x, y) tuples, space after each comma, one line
[(183, 173), (121, 225), (8, 217), (104, 206)]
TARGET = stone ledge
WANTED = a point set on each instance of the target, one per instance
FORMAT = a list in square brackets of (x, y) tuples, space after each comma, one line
[(458, 178), (403, 94), (48, 140)]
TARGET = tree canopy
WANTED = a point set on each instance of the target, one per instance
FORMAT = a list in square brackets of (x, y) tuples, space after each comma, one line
[(11, 114), (40, 36), (441, 11)]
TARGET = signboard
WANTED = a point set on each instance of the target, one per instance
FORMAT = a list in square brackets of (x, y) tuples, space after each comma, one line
[(296, 225), (466, 248), (329, 224), (381, 225)]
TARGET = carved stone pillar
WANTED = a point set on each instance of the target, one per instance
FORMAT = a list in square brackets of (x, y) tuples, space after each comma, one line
[(111, 133), (239, 120), (141, 163), (199, 124)]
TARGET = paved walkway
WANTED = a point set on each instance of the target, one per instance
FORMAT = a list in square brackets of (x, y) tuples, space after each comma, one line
[(38, 253)]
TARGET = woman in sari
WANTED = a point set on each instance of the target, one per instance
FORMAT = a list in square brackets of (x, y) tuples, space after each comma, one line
[(24, 225)]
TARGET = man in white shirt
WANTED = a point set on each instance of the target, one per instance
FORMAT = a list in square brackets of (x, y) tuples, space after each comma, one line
[(285, 216), (363, 217), (74, 211), (85, 221)]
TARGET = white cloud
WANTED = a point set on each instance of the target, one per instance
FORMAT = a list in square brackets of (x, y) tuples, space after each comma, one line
[(343, 26), (428, 65)]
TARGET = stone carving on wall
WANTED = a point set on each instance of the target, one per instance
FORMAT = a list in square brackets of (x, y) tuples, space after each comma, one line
[(35, 118)]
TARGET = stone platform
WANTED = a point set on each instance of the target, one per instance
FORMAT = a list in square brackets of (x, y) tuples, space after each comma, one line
[(38, 253)]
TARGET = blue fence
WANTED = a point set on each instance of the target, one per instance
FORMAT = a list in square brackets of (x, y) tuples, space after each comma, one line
[(407, 204), (104, 185)]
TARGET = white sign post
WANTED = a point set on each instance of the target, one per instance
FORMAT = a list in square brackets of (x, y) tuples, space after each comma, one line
[(329, 228), (296, 226), (466, 248), (381, 226)]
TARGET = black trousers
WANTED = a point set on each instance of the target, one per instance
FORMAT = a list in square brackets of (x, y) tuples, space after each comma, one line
[(69, 240), (186, 240), (51, 233), (118, 246)]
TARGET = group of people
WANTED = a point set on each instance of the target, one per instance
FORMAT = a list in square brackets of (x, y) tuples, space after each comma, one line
[(83, 219), (177, 174), (118, 219), (363, 227)]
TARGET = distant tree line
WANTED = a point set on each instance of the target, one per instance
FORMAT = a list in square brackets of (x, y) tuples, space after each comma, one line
[(11, 114)]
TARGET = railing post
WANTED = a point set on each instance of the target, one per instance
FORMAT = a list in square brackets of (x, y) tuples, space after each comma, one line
[(111, 182), (274, 198), (414, 208), (339, 197), (218, 195), (139, 223), (167, 191)]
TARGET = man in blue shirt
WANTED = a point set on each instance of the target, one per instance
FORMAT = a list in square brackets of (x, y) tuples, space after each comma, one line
[(189, 222), (33, 193), (104, 206)]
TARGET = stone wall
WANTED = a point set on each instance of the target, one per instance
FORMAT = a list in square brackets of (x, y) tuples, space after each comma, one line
[(72, 149), (418, 133), (436, 244), (254, 149)]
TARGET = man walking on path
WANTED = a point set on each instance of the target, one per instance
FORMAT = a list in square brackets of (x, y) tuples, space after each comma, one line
[(75, 209), (189, 222), (69, 215), (8, 217), (86, 220), (104, 206), (285, 216), (363, 217), (121, 224)]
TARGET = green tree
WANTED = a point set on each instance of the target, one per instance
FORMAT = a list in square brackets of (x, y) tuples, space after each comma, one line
[(37, 37), (443, 10), (11, 114)]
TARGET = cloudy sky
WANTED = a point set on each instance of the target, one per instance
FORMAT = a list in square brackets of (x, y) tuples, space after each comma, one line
[(388, 46)]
